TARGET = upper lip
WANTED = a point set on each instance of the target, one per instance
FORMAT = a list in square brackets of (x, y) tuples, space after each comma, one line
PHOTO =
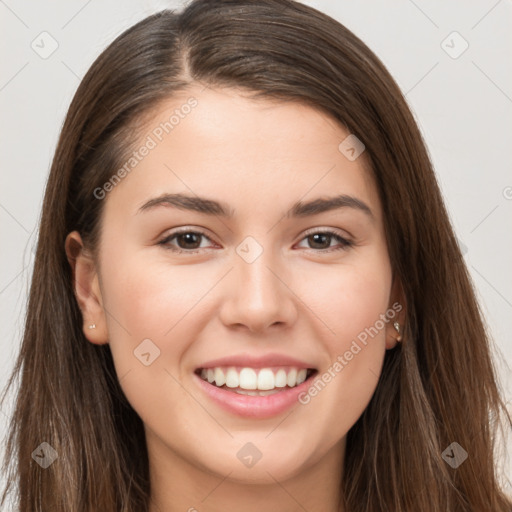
[(262, 361)]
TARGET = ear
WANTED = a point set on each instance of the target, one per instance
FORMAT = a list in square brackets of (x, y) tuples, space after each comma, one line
[(87, 289), (397, 306)]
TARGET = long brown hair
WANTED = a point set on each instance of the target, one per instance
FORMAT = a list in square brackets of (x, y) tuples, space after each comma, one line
[(439, 386)]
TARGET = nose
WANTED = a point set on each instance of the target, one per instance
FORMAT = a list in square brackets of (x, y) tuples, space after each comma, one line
[(257, 295)]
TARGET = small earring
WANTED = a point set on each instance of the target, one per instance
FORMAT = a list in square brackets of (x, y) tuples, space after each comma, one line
[(397, 327), (92, 326)]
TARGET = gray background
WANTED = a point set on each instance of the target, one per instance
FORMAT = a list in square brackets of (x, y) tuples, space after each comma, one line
[(462, 101)]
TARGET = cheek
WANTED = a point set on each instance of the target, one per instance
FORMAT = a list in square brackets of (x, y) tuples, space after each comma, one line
[(360, 324), (150, 301), (150, 298), (364, 297), (348, 299), (351, 302)]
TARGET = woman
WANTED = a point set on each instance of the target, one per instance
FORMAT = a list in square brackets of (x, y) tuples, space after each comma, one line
[(261, 370)]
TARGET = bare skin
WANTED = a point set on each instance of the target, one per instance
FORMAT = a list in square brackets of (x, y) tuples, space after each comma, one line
[(259, 158)]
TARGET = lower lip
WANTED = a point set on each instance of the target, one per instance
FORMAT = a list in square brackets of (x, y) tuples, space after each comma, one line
[(254, 406)]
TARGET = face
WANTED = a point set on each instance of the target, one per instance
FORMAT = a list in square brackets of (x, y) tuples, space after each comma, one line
[(268, 286)]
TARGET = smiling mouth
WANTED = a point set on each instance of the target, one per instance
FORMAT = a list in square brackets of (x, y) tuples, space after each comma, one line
[(256, 381)]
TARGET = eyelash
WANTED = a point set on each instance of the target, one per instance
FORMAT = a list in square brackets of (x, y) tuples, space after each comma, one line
[(345, 244)]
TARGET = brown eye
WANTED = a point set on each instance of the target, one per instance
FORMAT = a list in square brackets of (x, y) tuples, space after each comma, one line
[(187, 241), (321, 240)]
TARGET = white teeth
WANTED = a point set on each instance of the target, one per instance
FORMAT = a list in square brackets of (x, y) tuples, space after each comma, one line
[(266, 379), (220, 377), (250, 381), (232, 380), (301, 376), (280, 381), (291, 379), (256, 393)]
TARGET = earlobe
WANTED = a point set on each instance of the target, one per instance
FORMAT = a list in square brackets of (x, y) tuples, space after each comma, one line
[(392, 336), (87, 290), (395, 326)]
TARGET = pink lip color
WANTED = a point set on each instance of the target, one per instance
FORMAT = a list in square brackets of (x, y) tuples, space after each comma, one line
[(257, 407), (262, 361)]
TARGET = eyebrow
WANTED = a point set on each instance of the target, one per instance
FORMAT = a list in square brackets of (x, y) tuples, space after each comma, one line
[(299, 209)]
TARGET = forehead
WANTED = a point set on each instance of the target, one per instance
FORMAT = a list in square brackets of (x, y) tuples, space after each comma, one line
[(245, 152)]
